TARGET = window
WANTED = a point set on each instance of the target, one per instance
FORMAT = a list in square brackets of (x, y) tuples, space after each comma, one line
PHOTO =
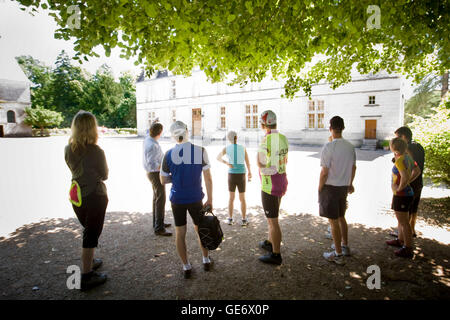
[(223, 122), (174, 115), (11, 116), (371, 99), (316, 114), (173, 89), (151, 117), (251, 116)]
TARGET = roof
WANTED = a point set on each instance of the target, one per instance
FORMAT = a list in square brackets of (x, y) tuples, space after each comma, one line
[(15, 91)]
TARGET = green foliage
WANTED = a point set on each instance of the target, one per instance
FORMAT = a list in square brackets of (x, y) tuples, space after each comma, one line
[(250, 40), (68, 88), (426, 97), (433, 133), (41, 118)]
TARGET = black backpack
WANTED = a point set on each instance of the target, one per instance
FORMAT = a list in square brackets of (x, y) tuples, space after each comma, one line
[(209, 229)]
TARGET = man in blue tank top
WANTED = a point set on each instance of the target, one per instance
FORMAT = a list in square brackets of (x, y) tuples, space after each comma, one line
[(237, 156), (183, 166)]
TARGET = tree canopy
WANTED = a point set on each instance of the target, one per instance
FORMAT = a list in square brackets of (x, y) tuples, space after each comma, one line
[(250, 40), (68, 89)]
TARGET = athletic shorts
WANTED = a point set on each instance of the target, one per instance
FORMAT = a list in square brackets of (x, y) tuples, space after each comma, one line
[(180, 213), (91, 215), (333, 201), (236, 180), (401, 204), (271, 204), (416, 199)]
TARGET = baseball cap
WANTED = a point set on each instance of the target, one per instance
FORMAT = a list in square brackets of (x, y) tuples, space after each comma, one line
[(178, 129), (268, 117)]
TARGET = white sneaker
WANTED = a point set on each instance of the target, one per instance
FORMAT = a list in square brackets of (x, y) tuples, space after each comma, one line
[(345, 250), (244, 222), (332, 257), (230, 221)]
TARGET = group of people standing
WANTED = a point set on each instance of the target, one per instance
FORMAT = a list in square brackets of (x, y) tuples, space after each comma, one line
[(184, 165)]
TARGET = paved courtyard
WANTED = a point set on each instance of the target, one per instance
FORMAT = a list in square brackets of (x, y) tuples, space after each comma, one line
[(34, 181)]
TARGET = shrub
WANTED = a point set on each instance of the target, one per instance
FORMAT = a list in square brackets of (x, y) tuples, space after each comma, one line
[(433, 133)]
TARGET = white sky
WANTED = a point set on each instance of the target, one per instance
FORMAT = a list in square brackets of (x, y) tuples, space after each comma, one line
[(24, 34)]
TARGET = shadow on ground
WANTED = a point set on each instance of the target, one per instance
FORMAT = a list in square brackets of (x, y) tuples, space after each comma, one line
[(141, 265)]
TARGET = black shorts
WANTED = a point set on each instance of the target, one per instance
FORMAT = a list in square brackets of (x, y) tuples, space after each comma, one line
[(91, 215), (333, 201), (415, 202), (271, 204), (401, 204), (236, 180), (180, 213)]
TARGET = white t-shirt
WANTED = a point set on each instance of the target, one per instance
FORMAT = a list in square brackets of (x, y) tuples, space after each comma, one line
[(339, 157)]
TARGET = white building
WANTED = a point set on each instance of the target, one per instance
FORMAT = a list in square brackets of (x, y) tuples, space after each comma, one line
[(371, 106), (14, 98)]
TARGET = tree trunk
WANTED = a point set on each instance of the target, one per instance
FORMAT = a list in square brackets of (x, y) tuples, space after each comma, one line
[(444, 84), (42, 131)]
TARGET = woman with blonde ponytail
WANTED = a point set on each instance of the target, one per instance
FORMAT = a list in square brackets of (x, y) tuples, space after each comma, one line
[(87, 162)]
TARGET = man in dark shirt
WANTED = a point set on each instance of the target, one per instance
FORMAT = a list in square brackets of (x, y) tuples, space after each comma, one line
[(417, 152)]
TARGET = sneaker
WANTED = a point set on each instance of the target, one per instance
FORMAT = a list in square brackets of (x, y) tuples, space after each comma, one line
[(266, 245), (333, 257), (271, 258), (207, 266), (96, 263), (91, 280), (187, 273), (405, 252), (230, 221), (395, 243), (163, 233), (244, 222), (345, 250)]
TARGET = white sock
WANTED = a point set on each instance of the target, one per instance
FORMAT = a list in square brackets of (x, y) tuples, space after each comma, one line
[(206, 260), (187, 266)]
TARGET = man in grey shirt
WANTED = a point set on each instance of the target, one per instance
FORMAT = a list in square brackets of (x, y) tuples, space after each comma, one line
[(338, 162), (152, 163)]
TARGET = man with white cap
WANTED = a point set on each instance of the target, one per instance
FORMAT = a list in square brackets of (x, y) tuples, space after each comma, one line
[(272, 160), (183, 166)]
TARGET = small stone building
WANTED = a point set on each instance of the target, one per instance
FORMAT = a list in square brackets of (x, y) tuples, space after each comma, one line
[(14, 98)]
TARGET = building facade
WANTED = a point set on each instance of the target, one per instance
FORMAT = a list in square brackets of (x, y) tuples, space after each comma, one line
[(14, 98), (371, 106)]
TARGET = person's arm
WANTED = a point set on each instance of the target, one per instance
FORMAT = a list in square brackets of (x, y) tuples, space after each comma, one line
[(323, 177), (261, 157), (102, 165), (220, 158), (351, 188), (415, 173), (405, 177), (209, 187), (164, 173), (247, 162)]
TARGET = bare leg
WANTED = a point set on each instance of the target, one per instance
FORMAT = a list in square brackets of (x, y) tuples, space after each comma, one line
[(243, 205), (412, 221), (205, 251), (231, 205), (400, 232), (181, 243), (344, 230), (275, 234), (405, 227), (87, 255), (336, 233)]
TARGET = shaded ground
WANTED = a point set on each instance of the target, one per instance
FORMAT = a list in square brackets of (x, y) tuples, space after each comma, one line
[(141, 265)]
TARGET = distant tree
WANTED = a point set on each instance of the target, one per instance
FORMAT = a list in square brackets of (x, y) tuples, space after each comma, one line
[(41, 77), (41, 118), (426, 97)]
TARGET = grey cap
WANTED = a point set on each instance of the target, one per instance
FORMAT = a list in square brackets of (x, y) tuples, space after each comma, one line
[(178, 129)]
